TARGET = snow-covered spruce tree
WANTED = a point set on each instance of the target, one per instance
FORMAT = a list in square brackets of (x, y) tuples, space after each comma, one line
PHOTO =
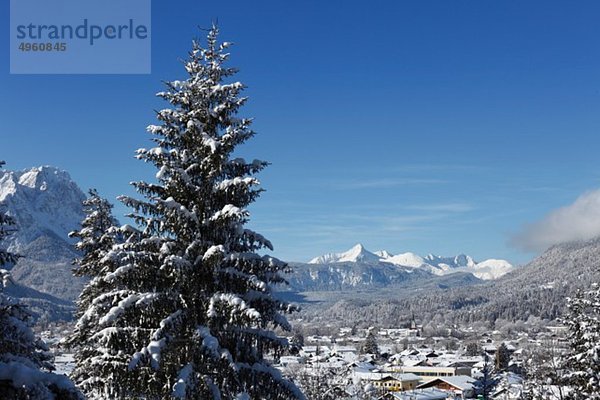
[(25, 362), (582, 363), (191, 311), (370, 345), (97, 236), (487, 381)]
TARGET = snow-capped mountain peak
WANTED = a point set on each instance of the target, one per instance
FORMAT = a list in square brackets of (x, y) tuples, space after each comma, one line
[(384, 254), (406, 260), (42, 199), (492, 269), (358, 253)]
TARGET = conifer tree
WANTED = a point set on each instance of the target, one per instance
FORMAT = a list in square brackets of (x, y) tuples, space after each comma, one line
[(582, 363), (486, 383), (190, 311), (502, 358), (370, 344), (98, 234), (25, 362), (576, 374), (297, 340), (472, 349)]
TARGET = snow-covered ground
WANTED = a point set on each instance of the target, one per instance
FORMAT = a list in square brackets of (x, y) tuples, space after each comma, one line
[(64, 364)]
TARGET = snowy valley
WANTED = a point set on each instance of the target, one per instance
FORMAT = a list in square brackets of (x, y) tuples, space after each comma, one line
[(447, 301)]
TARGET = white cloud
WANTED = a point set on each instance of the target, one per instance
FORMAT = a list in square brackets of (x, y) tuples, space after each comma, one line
[(577, 221)]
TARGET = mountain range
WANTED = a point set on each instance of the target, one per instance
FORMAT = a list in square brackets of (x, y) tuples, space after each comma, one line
[(485, 270), (358, 269), (534, 292)]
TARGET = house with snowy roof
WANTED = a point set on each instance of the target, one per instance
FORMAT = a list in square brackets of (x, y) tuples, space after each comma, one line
[(428, 373), (459, 385)]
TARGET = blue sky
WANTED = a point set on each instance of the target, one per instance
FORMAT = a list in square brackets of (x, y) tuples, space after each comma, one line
[(425, 126)]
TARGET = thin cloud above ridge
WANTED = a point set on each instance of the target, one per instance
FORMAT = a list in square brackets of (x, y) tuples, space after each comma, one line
[(577, 221)]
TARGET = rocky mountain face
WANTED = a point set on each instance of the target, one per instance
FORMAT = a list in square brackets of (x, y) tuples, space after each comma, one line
[(348, 275), (46, 205)]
